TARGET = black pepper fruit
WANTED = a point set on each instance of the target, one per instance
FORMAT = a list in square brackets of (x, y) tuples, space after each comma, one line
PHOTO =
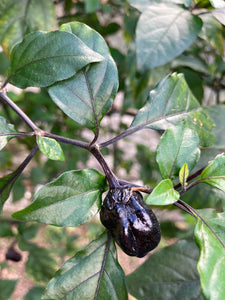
[(131, 221)]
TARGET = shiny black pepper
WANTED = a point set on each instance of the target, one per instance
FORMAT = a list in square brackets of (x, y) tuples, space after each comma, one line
[(131, 221)]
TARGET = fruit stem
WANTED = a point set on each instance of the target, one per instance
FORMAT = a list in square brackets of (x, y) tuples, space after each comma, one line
[(110, 176)]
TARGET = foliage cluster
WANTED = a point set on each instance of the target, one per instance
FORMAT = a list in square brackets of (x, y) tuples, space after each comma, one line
[(168, 63)]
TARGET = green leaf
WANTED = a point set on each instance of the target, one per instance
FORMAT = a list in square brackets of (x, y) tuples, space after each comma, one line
[(20, 17), (216, 113), (143, 5), (214, 173), (212, 32), (193, 62), (178, 145), (217, 3), (163, 194), (210, 239), (51, 148), (6, 288), (176, 104), (34, 294), (183, 175), (87, 96), (70, 200), (5, 230), (100, 275), (163, 32), (91, 6), (5, 128), (43, 58), (169, 274)]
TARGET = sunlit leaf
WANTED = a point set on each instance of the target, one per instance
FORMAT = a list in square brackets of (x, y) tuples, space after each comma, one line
[(169, 274), (5, 128), (20, 17), (142, 5), (93, 273), (219, 14), (163, 32), (88, 95), (170, 103), (44, 58), (70, 200), (214, 173), (217, 3), (183, 175), (51, 148), (178, 145), (211, 241), (163, 194)]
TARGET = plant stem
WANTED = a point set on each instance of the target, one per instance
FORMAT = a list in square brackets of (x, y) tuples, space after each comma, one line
[(18, 111), (15, 134), (63, 139), (20, 169), (110, 176)]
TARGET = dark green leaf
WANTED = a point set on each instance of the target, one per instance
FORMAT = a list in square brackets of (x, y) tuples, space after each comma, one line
[(93, 273), (163, 194), (163, 32), (91, 6), (34, 294), (43, 58), (6, 288), (176, 104), (27, 230), (168, 274), (6, 184), (70, 200), (205, 196), (5, 229), (20, 17), (4, 63), (211, 241), (214, 173), (178, 145), (51, 148), (212, 31), (5, 128), (88, 95)]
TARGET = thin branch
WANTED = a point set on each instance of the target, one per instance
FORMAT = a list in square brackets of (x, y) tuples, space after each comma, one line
[(5, 99), (19, 134), (64, 140), (20, 169), (110, 176), (203, 221)]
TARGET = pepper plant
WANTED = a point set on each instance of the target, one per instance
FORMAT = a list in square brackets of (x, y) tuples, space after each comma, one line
[(171, 75)]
